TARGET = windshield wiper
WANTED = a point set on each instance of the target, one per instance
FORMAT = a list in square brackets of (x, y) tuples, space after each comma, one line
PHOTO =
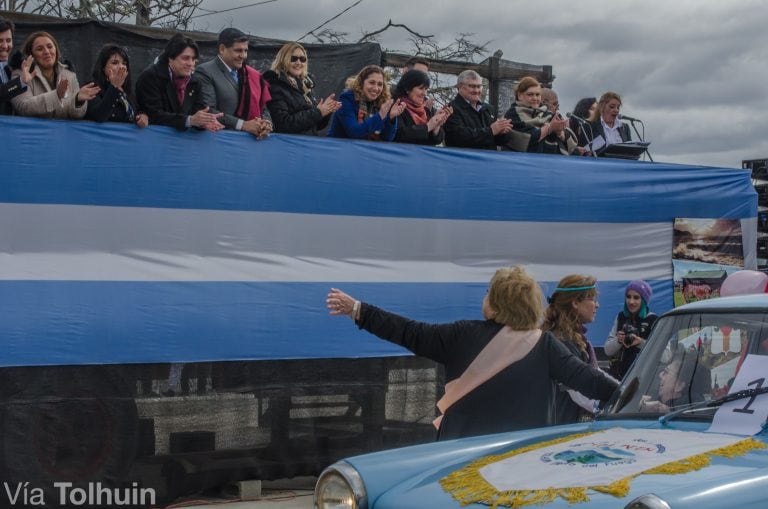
[(746, 393)]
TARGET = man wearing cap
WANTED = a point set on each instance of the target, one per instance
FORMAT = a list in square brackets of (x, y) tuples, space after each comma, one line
[(9, 87), (235, 89)]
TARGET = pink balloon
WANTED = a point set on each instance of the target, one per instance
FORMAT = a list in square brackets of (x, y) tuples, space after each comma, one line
[(744, 282)]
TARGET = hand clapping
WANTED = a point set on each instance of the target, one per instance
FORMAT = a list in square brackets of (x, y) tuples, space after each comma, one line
[(328, 105), (501, 126), (26, 74), (436, 122), (397, 109), (206, 120), (61, 88), (87, 92)]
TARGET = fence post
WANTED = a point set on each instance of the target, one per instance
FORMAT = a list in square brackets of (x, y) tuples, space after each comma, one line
[(493, 82)]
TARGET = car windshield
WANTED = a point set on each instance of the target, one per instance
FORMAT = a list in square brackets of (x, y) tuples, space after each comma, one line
[(689, 358)]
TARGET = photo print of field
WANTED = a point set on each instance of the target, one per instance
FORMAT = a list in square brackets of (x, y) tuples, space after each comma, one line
[(704, 252)]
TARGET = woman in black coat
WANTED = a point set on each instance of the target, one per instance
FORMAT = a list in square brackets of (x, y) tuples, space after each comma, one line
[(546, 131), (417, 124), (293, 108), (114, 102), (500, 370)]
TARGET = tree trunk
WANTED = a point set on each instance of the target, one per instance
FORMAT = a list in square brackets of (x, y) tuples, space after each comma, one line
[(142, 12)]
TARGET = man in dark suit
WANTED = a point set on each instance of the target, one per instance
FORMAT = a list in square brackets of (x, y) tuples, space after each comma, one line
[(472, 124), (227, 82), (168, 92), (9, 86)]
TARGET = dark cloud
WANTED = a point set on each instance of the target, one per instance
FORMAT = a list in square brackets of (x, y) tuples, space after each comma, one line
[(694, 71)]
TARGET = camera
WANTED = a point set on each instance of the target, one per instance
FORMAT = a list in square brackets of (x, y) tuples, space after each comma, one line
[(628, 330)]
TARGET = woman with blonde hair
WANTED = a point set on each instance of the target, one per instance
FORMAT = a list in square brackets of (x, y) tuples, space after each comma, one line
[(52, 90), (500, 370), (293, 107), (606, 120), (367, 111), (572, 305)]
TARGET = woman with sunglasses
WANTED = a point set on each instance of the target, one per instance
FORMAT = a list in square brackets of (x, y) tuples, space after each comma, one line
[(293, 108), (572, 306)]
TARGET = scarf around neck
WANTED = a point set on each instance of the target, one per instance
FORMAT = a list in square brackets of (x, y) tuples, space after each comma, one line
[(299, 86), (367, 109), (418, 112), (533, 117), (180, 85), (254, 94)]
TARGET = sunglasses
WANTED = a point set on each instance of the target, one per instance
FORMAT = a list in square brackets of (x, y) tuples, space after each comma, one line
[(297, 58)]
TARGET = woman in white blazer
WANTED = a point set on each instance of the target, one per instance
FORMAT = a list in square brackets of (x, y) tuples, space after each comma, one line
[(52, 90)]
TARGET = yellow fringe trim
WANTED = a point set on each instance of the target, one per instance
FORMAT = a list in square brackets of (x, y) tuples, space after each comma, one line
[(467, 485)]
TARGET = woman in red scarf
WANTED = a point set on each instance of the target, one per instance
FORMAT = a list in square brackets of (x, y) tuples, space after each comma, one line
[(418, 124)]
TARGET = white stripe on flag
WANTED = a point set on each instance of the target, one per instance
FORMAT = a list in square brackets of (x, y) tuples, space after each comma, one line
[(94, 243)]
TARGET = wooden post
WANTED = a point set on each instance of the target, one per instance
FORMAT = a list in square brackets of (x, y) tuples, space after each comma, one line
[(142, 13), (493, 82), (548, 78)]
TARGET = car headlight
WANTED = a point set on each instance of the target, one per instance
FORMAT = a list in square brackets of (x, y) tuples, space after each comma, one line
[(649, 501), (340, 487)]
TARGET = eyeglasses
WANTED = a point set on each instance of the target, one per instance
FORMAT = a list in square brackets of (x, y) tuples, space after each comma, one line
[(298, 58), (473, 85)]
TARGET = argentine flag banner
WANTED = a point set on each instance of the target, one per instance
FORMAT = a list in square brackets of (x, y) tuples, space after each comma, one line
[(121, 245), (603, 461)]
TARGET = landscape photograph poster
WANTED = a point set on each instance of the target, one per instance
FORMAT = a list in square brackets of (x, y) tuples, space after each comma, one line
[(704, 252)]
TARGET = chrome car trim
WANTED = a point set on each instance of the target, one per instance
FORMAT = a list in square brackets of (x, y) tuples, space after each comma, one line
[(353, 479), (649, 501)]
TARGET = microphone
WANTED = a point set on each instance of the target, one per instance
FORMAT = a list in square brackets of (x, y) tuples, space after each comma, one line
[(578, 118), (625, 117)]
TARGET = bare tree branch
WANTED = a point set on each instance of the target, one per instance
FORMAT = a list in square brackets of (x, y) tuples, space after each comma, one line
[(167, 13), (329, 36), (371, 35)]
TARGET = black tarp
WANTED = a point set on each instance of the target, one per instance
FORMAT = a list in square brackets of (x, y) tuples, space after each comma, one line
[(80, 41), (189, 429)]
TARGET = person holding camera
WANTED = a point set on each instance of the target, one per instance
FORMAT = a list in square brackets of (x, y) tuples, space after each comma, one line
[(631, 328)]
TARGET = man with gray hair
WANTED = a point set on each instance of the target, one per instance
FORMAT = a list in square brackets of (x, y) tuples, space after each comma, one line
[(550, 100), (472, 124)]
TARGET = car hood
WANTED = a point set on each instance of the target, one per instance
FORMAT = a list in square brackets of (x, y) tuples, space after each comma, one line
[(409, 477)]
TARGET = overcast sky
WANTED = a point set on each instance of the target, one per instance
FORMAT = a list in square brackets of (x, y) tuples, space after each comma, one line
[(696, 72)]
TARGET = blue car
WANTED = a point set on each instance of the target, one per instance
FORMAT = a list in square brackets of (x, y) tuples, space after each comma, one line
[(686, 429)]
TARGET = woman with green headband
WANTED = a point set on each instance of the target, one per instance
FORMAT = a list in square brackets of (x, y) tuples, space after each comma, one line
[(572, 305)]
